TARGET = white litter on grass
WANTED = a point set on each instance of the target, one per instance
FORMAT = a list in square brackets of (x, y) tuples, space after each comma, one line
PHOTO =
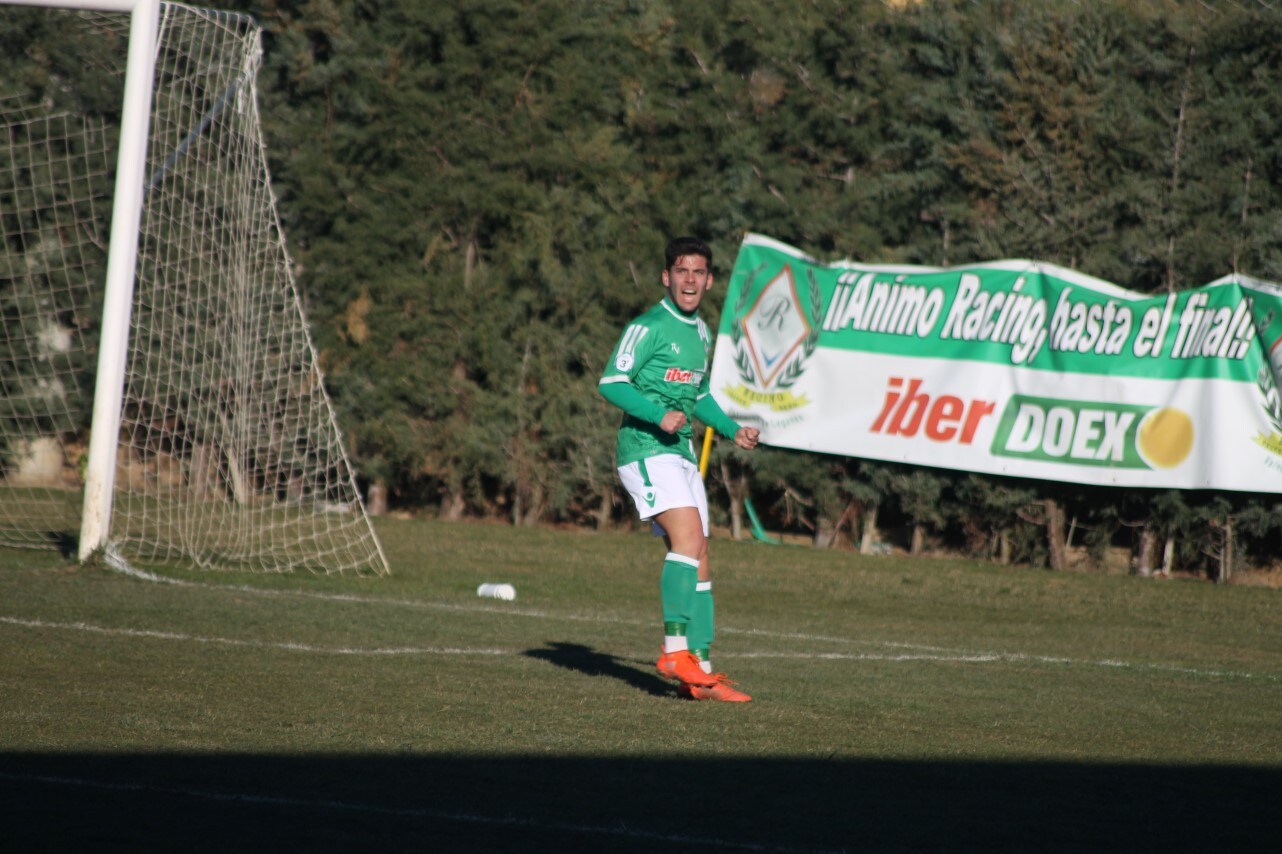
[(506, 592)]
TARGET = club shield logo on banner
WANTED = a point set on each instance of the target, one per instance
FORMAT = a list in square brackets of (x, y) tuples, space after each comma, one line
[(774, 338), (1009, 367)]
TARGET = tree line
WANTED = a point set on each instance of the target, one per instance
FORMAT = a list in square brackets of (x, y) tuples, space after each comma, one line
[(476, 196)]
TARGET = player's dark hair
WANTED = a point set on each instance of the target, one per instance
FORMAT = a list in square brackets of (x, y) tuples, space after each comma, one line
[(681, 246)]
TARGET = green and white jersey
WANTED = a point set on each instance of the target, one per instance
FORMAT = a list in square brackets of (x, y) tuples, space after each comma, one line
[(664, 354)]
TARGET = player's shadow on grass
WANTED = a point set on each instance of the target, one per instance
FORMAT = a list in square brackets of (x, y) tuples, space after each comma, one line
[(586, 660)]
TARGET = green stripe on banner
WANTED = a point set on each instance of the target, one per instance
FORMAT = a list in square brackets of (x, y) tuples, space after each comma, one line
[(1024, 313)]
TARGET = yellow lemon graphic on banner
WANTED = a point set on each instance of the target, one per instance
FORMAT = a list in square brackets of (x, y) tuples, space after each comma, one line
[(1165, 437)]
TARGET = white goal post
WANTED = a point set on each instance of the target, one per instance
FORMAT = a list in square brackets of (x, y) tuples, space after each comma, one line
[(212, 439)]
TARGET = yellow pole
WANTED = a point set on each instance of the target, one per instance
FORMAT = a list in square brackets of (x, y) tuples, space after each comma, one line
[(707, 450)]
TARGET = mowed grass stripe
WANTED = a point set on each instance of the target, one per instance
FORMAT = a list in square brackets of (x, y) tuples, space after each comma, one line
[(865, 655), (290, 646), (940, 656)]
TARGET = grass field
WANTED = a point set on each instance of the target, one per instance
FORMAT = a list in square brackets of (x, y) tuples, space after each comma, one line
[(899, 705)]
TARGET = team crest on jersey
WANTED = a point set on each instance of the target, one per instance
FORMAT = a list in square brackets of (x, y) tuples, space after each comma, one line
[(774, 340)]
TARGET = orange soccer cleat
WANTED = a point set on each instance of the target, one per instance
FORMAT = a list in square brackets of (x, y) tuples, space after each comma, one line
[(723, 690), (684, 667)]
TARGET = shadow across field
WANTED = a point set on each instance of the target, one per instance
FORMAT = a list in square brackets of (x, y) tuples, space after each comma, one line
[(97, 802), (585, 659)]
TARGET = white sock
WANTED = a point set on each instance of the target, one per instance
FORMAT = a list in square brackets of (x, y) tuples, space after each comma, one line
[(675, 643)]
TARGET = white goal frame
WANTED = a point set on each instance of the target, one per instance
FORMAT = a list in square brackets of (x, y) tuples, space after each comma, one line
[(121, 266), (122, 258)]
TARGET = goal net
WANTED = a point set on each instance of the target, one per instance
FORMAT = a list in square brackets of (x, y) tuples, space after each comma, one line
[(226, 453)]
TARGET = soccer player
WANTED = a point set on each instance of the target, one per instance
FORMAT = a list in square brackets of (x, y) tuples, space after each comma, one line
[(658, 376)]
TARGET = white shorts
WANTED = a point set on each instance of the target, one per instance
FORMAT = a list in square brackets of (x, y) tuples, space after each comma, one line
[(664, 482)]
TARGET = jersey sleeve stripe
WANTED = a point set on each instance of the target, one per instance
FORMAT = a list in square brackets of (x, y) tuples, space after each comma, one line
[(632, 337)]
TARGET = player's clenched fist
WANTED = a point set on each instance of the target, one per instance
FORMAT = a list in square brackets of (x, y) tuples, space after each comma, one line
[(673, 421)]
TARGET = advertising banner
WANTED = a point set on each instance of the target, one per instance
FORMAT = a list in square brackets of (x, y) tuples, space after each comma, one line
[(1008, 367)]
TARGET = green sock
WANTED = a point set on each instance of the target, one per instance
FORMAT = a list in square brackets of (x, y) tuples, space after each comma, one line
[(702, 620), (680, 574)]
